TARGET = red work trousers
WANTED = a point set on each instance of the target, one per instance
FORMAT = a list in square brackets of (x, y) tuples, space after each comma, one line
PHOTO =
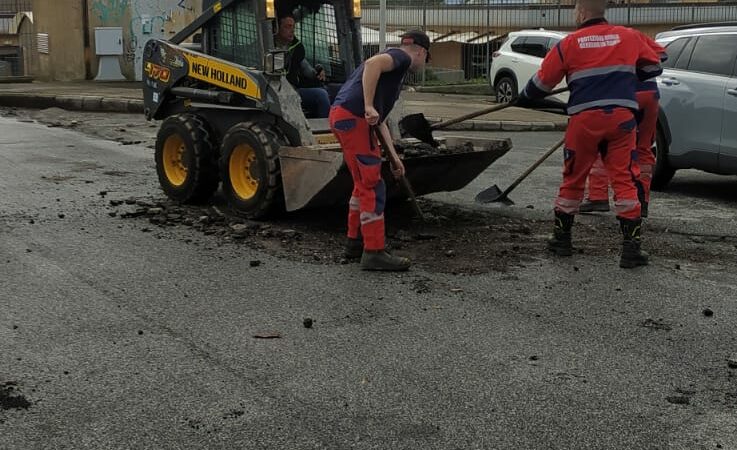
[(646, 126), (609, 133), (362, 155)]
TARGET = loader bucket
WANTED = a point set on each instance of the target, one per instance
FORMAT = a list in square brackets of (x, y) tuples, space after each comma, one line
[(315, 176)]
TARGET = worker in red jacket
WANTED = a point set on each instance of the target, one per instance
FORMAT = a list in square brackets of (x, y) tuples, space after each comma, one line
[(647, 118), (602, 64), (363, 104)]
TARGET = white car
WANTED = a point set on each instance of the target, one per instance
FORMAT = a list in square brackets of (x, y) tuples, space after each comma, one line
[(518, 59)]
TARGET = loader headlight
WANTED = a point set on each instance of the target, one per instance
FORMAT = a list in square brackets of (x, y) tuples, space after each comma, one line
[(276, 62)]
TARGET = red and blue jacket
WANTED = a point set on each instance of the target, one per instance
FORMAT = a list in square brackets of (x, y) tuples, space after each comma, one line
[(602, 64), (650, 85)]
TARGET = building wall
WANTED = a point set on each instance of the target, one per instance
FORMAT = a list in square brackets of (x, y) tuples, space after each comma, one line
[(63, 22), (140, 20)]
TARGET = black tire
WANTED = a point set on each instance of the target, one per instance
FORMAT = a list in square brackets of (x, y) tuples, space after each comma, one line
[(186, 162), (249, 168), (662, 172), (506, 89)]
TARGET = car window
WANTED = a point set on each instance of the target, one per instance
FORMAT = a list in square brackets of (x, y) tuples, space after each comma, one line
[(536, 46), (552, 42), (518, 43), (714, 54), (673, 50), (685, 56)]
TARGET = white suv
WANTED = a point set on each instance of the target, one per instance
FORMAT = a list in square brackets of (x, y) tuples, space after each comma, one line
[(518, 59)]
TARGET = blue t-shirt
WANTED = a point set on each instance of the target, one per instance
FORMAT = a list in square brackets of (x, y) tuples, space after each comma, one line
[(388, 88)]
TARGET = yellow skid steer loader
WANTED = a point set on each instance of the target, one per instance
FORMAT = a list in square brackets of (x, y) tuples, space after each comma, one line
[(231, 117)]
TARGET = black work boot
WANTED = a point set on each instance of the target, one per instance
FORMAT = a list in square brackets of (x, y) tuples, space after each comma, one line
[(632, 255), (560, 242), (381, 260), (353, 248)]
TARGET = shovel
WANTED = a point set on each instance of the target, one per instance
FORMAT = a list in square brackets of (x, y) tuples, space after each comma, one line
[(494, 194), (403, 180), (417, 126)]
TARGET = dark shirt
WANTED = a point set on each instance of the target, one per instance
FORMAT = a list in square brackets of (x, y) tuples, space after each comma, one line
[(388, 88), (298, 72)]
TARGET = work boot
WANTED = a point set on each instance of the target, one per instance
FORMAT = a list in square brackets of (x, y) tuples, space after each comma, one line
[(560, 242), (353, 248), (632, 255), (381, 260), (594, 206)]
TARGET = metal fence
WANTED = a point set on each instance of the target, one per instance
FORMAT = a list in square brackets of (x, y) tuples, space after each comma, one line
[(465, 35), (14, 6), (17, 40)]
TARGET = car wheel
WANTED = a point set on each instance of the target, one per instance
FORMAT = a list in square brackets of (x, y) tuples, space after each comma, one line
[(662, 172), (506, 89)]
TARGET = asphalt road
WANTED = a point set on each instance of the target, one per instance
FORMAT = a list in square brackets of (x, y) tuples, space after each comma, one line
[(119, 338)]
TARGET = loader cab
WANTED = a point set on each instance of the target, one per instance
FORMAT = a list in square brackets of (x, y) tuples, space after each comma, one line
[(244, 32)]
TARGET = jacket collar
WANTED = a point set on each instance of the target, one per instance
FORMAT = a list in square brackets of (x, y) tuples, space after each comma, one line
[(592, 22)]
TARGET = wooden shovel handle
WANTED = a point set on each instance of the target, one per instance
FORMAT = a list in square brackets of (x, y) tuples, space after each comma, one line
[(482, 112)]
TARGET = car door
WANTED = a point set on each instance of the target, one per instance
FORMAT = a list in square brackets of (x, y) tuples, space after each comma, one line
[(529, 55), (562, 97), (692, 95), (728, 149)]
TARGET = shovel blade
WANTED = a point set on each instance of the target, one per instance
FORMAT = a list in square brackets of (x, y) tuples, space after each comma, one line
[(417, 126), (493, 195)]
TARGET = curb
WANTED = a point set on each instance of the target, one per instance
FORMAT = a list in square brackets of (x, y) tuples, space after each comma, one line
[(90, 103), (93, 103)]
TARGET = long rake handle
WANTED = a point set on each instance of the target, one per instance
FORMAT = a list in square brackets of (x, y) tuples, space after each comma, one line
[(534, 166), (481, 112)]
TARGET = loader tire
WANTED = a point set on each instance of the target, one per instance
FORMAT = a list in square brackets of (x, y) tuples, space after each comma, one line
[(249, 168), (186, 162)]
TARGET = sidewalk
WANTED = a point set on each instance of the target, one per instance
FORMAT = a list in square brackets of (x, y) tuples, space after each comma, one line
[(127, 97)]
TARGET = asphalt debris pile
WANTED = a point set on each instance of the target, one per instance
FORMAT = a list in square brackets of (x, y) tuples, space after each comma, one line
[(420, 149), (452, 239), (11, 398)]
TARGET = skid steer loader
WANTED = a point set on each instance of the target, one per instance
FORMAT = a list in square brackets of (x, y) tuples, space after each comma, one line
[(230, 116)]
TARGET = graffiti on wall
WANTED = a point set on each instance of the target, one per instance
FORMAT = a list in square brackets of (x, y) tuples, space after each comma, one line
[(109, 11), (142, 20), (155, 19)]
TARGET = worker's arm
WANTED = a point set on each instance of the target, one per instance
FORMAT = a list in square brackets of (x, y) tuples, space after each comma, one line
[(391, 152), (372, 70), (312, 73), (650, 57)]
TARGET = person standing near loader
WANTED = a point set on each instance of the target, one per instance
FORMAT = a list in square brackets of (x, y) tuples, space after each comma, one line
[(364, 102), (602, 64), (648, 97)]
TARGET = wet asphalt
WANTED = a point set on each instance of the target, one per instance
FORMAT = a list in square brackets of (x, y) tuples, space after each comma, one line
[(124, 338)]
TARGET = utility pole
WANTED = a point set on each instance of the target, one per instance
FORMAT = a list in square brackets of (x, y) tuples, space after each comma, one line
[(382, 25)]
